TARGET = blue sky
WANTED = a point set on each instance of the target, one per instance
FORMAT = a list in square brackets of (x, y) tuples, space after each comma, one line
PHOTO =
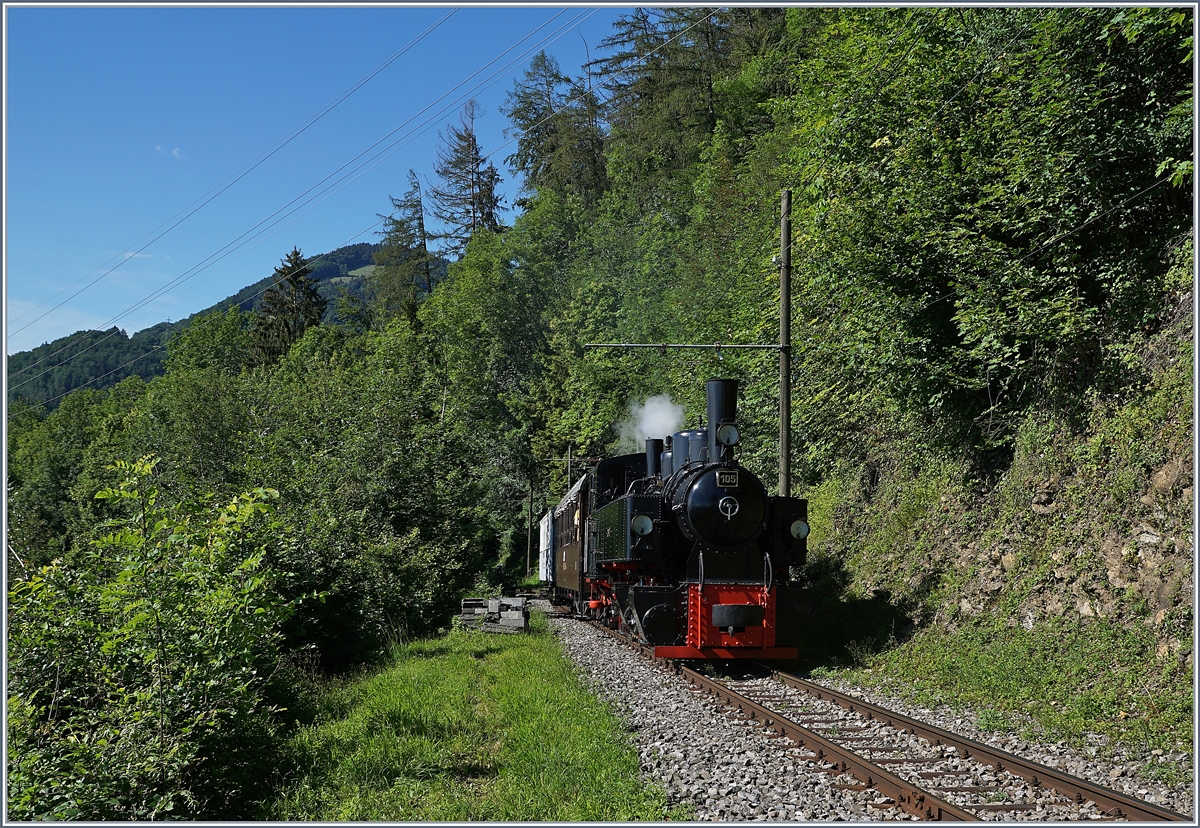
[(118, 119)]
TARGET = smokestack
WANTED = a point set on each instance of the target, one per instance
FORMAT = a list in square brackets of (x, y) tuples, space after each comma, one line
[(722, 408), (668, 460), (654, 448)]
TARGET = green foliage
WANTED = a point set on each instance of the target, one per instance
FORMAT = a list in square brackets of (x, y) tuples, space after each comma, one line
[(467, 726), (197, 420), (288, 308), (136, 678), (1042, 599), (214, 340), (961, 212), (98, 360), (54, 459), (338, 264)]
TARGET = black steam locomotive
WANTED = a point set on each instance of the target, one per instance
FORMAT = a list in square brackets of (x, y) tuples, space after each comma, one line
[(681, 547)]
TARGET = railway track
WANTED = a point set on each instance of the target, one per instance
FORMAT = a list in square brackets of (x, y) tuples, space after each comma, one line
[(927, 772)]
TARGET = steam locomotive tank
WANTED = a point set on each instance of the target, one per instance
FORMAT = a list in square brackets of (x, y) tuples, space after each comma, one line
[(686, 558)]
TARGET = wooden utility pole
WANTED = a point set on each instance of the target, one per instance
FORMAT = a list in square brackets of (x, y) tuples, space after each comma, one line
[(785, 345), (529, 533)]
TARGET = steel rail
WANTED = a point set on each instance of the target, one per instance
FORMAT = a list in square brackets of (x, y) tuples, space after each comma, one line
[(907, 796), (1113, 803)]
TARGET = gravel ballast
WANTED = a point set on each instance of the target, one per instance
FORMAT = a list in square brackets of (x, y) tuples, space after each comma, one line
[(729, 770), (1120, 773)]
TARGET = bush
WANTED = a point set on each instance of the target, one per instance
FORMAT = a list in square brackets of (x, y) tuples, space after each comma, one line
[(135, 678)]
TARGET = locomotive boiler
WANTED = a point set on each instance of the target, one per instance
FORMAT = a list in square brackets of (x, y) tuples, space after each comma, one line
[(681, 547)]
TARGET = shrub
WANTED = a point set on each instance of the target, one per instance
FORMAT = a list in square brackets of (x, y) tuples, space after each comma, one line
[(135, 677)]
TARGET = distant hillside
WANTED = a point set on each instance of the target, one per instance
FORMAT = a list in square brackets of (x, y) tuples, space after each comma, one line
[(332, 272), (101, 359)]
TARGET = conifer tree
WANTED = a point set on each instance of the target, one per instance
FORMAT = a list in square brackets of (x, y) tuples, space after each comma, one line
[(660, 77), (404, 267), (288, 308), (560, 144), (466, 199)]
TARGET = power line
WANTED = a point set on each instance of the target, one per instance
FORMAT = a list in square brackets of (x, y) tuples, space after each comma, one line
[(336, 185), (200, 266), (371, 162), (204, 200)]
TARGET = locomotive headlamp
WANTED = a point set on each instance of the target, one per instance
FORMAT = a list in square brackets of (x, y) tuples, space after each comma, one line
[(641, 525), (799, 530), (727, 435)]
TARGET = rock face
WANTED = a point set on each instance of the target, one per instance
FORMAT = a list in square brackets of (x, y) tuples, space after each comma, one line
[(1089, 519), (1149, 556), (1132, 566)]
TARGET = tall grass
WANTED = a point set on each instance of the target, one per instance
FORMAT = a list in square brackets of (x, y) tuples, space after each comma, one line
[(470, 726)]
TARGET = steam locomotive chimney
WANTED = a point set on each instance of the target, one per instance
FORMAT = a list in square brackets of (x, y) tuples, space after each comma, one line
[(668, 464), (653, 449), (722, 408)]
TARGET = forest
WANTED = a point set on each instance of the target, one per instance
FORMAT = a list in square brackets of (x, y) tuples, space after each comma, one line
[(100, 359), (992, 374)]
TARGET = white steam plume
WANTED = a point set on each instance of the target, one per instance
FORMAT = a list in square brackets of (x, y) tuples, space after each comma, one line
[(652, 419)]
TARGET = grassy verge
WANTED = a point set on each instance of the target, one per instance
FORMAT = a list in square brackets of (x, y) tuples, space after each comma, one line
[(471, 726), (1066, 683)]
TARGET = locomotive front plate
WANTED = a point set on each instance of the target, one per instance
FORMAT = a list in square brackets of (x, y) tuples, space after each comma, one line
[(727, 478)]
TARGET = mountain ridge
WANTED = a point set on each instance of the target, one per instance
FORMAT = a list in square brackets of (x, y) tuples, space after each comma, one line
[(101, 359)]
